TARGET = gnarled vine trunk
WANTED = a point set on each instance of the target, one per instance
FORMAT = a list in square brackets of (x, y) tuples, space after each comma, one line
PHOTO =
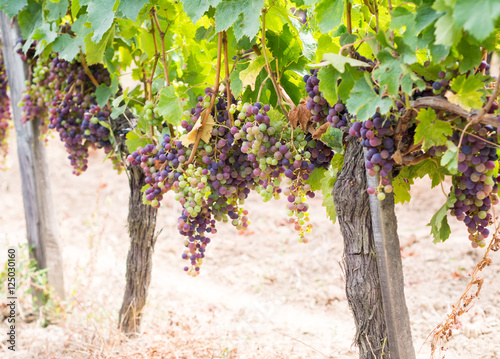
[(360, 262), (141, 226)]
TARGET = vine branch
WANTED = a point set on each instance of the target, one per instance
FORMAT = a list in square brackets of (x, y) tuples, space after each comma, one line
[(442, 104), (212, 101), (226, 80), (268, 66), (162, 41)]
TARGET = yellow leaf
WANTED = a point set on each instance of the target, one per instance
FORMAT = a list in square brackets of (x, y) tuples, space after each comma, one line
[(206, 134)]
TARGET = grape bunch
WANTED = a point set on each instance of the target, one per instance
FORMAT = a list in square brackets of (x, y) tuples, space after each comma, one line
[(321, 110), (250, 148), (376, 137), (475, 189), (5, 118)]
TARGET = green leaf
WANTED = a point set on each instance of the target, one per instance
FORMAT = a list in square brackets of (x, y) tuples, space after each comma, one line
[(134, 141), (236, 83), (95, 52), (364, 102), (450, 158), (471, 55), (249, 75), (408, 55), (328, 77), (338, 61), (347, 38), (401, 16), (131, 8), (327, 184), (440, 228), (228, 13), (389, 73), (103, 92), (333, 139), (68, 47), (430, 130), (12, 8), (56, 10), (202, 33), (467, 94), (315, 178), (401, 187), (446, 32), (349, 78), (196, 8), (329, 14), (283, 46), (478, 18), (101, 15), (75, 7), (169, 105)]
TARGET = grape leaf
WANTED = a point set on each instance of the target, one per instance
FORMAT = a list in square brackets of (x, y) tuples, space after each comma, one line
[(364, 102), (401, 186), (401, 16), (315, 178), (103, 92), (169, 105), (55, 10), (446, 32), (249, 75), (68, 47), (467, 94), (327, 184), (333, 139), (134, 141), (12, 8), (131, 8), (430, 130), (196, 8), (440, 228), (75, 7), (95, 51), (283, 46), (228, 13), (329, 14), (328, 77), (450, 158), (338, 61), (101, 15), (478, 18), (471, 55), (389, 73)]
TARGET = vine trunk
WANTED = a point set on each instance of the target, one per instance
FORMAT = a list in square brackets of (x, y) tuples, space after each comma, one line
[(360, 262), (141, 226)]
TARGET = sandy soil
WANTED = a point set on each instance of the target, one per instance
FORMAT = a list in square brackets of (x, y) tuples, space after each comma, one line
[(261, 294)]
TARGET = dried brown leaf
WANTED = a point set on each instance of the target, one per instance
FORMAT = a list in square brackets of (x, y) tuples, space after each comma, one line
[(300, 116), (320, 131)]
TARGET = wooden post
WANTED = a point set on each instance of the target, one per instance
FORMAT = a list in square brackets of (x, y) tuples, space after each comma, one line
[(390, 270), (41, 226)]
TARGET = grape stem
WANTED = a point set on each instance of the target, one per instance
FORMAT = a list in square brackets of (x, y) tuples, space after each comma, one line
[(348, 16), (261, 87), (492, 98), (268, 66), (212, 101), (226, 80), (87, 70), (478, 137), (157, 53)]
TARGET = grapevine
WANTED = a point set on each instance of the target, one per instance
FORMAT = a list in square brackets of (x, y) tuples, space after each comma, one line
[(5, 118)]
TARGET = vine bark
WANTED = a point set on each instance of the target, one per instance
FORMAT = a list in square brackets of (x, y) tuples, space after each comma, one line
[(141, 226), (360, 263)]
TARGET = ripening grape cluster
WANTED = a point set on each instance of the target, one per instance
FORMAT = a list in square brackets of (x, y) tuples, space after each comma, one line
[(475, 190), (253, 151), (63, 96), (375, 135), (5, 118), (321, 110)]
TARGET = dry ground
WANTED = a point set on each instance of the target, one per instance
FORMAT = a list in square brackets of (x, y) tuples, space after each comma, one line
[(261, 294)]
